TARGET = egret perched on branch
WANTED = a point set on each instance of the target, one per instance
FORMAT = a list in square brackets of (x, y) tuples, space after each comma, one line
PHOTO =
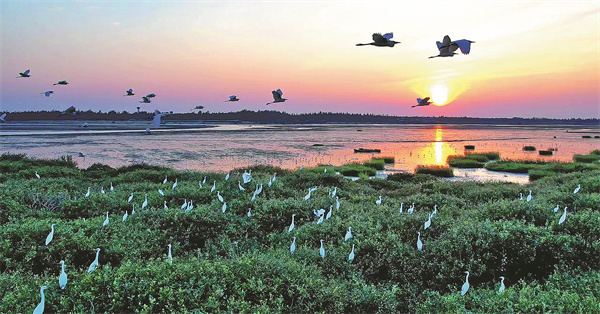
[(378, 202), (145, 203), (37, 175), (322, 250), (419, 243), (227, 176), (563, 217), (447, 48), (219, 196), (130, 198), (24, 74), (40, 308), (51, 234), (320, 219), (401, 205), (105, 223), (129, 92), (48, 92), (165, 180), (89, 191), (240, 186), (69, 111), (170, 256), (233, 98), (384, 40), (224, 208), (556, 208), (501, 285), (422, 102), (577, 189), (112, 189), (465, 286), (427, 223), (293, 246), (529, 197), (292, 224), (214, 186), (348, 234), (145, 100), (329, 212), (94, 264), (125, 216), (337, 203), (161, 192), (61, 83), (62, 279), (249, 212), (175, 184), (351, 256), (277, 94)]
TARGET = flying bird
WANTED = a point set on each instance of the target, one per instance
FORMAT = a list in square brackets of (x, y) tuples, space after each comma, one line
[(61, 83), (69, 111), (145, 100), (233, 98), (129, 92), (277, 97), (422, 102), (199, 107), (24, 74), (151, 95), (447, 48), (3, 117), (48, 92), (158, 120), (382, 40)]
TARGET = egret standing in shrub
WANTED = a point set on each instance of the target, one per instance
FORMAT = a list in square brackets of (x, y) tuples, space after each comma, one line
[(145, 203), (40, 308), (62, 279), (51, 234), (133, 210), (520, 196), (125, 216), (94, 264), (242, 188), (249, 212), (130, 198), (214, 186), (465, 286), (165, 205), (501, 285), (322, 250), (307, 196), (320, 221), (348, 234), (224, 207), (337, 203), (190, 206), (219, 196), (170, 256), (112, 189), (574, 192), (102, 190), (329, 212), (165, 180), (427, 223), (419, 243), (174, 184), (563, 217), (105, 223), (378, 202), (434, 211), (529, 197), (89, 191), (411, 209), (37, 175), (292, 224), (556, 208), (161, 192), (293, 246), (184, 206), (227, 176), (401, 204), (351, 256)]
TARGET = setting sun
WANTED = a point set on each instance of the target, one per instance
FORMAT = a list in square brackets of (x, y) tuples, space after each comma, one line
[(439, 94)]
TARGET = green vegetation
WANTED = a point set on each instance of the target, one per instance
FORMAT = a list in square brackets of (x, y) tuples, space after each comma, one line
[(586, 158), (464, 162), (438, 171), (355, 170), (596, 152), (378, 164), (386, 159), (529, 148), (229, 262), (487, 155)]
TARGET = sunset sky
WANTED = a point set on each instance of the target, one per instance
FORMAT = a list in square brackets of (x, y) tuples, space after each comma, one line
[(529, 59)]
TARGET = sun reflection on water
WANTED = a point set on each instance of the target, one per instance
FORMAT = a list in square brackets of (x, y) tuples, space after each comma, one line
[(438, 151)]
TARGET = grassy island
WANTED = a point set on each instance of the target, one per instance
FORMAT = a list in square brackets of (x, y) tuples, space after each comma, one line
[(237, 258)]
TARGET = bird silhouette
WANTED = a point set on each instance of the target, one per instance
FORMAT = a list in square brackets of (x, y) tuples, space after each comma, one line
[(277, 94), (129, 92), (233, 98), (61, 83), (24, 74), (422, 102), (382, 40), (447, 47)]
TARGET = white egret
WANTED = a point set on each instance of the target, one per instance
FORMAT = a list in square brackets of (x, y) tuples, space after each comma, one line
[(40, 308), (277, 94), (165, 180), (419, 243), (247, 176), (102, 190), (249, 212), (337, 203), (384, 40), (69, 111), (145, 100), (307, 196), (214, 186), (259, 189), (411, 209), (293, 246), (233, 98), (24, 74), (348, 234), (190, 206), (556, 208), (165, 205), (184, 206), (292, 224), (320, 219), (105, 223), (447, 48), (129, 92), (112, 189), (198, 107), (62, 279), (329, 212), (132, 210), (577, 189), (158, 120), (51, 234), (401, 205), (270, 182), (151, 95), (89, 191), (219, 196), (227, 176), (563, 217), (170, 256), (3, 117), (224, 208), (319, 212), (161, 192), (529, 197), (325, 170), (37, 175), (334, 192), (434, 211), (200, 184), (175, 184), (204, 180), (130, 198), (94, 264), (125, 216), (351, 256), (61, 83), (322, 250), (465, 286), (378, 202), (520, 196), (274, 176), (422, 102), (48, 93), (501, 285), (427, 223), (145, 203), (241, 187)]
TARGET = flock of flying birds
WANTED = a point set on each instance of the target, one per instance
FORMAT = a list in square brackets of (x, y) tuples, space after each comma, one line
[(447, 48)]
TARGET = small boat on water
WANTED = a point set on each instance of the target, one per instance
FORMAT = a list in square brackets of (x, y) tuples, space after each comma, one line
[(545, 152), (470, 147), (367, 150)]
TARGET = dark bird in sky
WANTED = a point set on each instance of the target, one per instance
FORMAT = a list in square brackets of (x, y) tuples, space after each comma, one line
[(129, 92), (150, 95), (199, 107), (48, 92), (145, 100), (382, 40), (277, 97), (233, 98), (61, 83), (69, 111), (447, 48), (24, 74), (422, 102)]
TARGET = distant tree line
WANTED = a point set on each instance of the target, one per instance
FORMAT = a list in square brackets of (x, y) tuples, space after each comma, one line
[(271, 116)]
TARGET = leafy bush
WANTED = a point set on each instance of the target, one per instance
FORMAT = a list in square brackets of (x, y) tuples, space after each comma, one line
[(586, 158), (375, 164), (387, 159), (465, 162), (438, 171), (356, 170)]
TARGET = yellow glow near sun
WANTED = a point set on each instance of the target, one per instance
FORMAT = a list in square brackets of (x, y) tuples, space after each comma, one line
[(439, 94)]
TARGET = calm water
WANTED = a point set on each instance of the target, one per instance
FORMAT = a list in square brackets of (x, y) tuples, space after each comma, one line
[(188, 146)]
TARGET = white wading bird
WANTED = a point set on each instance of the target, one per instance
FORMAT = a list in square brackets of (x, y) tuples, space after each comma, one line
[(94, 264), (293, 246), (50, 235), (62, 279), (322, 250), (277, 94), (24, 74), (447, 48), (233, 98), (145, 100), (61, 83), (382, 40), (40, 308), (465, 286), (3, 117), (48, 92), (198, 107), (69, 111), (292, 224), (501, 285), (422, 102), (129, 92)]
